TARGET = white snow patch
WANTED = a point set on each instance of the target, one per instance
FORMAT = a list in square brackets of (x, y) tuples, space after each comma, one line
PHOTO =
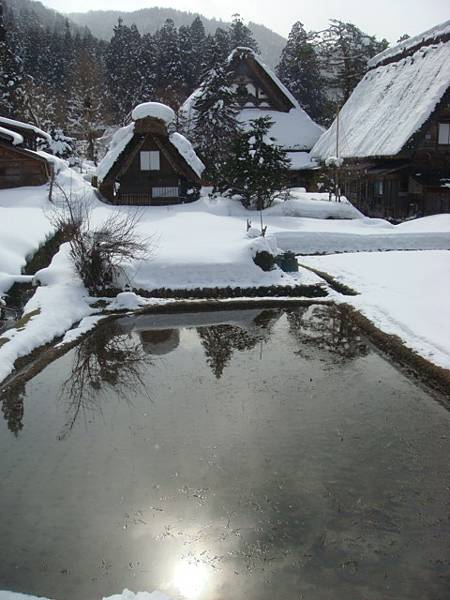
[(155, 110), (119, 142), (186, 150), (85, 325), (301, 160), (293, 130), (33, 128), (126, 301), (125, 595), (16, 138), (402, 293)]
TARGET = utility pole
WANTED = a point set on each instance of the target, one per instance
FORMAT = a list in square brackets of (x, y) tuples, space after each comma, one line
[(336, 171)]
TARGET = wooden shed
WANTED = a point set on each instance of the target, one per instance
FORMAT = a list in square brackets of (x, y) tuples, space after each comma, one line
[(149, 163), (393, 133), (20, 164)]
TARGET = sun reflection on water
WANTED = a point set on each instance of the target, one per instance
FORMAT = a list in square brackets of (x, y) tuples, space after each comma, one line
[(190, 579)]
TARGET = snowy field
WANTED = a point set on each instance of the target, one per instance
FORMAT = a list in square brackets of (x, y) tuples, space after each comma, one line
[(402, 293), (206, 244)]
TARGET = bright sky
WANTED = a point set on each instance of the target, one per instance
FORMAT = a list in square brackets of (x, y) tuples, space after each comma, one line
[(383, 18)]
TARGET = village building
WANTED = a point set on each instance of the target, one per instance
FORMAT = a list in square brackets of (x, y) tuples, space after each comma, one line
[(148, 162), (260, 93), (20, 163), (393, 133)]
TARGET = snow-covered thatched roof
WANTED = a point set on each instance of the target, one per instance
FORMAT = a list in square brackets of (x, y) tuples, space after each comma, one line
[(293, 128), (394, 100), (125, 135), (12, 123)]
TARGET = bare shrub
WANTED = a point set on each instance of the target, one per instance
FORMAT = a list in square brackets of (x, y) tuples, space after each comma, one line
[(99, 251)]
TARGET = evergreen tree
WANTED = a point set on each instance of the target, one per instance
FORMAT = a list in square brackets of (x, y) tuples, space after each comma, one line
[(257, 168), (344, 51), (12, 83), (299, 70), (215, 124), (240, 35), (170, 88), (188, 59), (198, 45)]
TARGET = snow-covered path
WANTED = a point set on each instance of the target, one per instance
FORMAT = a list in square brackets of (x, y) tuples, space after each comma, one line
[(402, 293)]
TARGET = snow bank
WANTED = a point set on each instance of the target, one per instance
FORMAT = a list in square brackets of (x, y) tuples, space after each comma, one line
[(301, 160), (126, 301), (16, 138), (49, 313), (403, 293), (33, 128), (155, 110), (119, 142), (389, 105), (186, 150)]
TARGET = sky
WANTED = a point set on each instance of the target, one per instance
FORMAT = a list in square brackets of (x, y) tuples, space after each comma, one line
[(383, 18)]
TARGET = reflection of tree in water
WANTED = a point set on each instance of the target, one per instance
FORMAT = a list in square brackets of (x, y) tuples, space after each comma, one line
[(221, 341), (12, 407), (329, 328), (107, 360)]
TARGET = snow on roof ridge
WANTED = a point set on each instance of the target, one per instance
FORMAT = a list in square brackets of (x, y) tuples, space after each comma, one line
[(33, 128), (120, 140), (428, 35), (389, 105), (17, 139), (157, 110), (186, 150)]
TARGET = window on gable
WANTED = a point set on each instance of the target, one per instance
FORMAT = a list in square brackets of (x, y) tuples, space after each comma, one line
[(150, 160), (444, 133)]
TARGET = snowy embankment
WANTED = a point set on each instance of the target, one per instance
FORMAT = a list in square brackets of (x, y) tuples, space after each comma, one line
[(402, 293), (125, 595), (23, 227)]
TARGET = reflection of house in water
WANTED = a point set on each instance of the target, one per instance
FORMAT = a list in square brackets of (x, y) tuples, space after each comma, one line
[(159, 341)]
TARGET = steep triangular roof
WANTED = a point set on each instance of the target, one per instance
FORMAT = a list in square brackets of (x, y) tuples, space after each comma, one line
[(293, 128), (404, 86), (154, 119)]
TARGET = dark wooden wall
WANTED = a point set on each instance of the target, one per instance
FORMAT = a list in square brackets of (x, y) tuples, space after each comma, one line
[(20, 169)]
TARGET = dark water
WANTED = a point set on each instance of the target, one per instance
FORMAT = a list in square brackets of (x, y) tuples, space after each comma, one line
[(225, 456)]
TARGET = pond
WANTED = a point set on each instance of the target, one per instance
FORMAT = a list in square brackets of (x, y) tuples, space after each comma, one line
[(225, 456)]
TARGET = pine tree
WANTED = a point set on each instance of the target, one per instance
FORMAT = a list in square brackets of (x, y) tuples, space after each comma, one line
[(198, 47), (299, 70), (215, 124), (240, 35), (12, 83), (257, 168), (344, 51), (170, 88)]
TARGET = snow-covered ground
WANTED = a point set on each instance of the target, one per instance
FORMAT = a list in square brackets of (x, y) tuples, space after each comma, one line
[(203, 244), (402, 293)]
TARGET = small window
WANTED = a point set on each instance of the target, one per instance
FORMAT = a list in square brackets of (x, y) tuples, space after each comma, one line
[(378, 187), (444, 133), (150, 160), (165, 192)]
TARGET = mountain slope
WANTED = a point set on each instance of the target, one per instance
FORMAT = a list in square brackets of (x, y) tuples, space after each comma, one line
[(101, 23)]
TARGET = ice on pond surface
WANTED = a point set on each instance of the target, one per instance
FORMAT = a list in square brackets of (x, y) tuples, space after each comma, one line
[(231, 455)]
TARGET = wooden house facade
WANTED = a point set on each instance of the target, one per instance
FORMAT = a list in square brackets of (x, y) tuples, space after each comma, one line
[(148, 163), (394, 131), (20, 164), (260, 93)]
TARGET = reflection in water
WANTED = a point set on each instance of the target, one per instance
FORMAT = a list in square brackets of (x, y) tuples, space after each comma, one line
[(250, 475), (328, 328), (221, 341), (12, 407), (104, 361)]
